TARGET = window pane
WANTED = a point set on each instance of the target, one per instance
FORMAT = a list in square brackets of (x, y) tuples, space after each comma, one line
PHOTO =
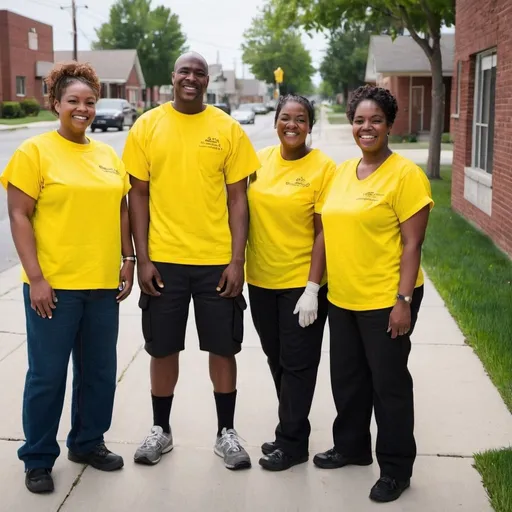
[(490, 136), (486, 95), (482, 162)]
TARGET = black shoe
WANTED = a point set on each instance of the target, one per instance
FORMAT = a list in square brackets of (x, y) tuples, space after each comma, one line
[(388, 489), (100, 458), (331, 459), (279, 461), (268, 448), (39, 480)]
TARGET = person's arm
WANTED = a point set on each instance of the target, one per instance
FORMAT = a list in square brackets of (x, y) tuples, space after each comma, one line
[(21, 208), (238, 211), (317, 267), (413, 234), (139, 221), (127, 270)]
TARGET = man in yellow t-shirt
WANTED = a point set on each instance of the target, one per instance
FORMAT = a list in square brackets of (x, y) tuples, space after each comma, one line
[(189, 164)]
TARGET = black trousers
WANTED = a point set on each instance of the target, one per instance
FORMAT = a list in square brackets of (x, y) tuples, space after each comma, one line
[(293, 355), (369, 370)]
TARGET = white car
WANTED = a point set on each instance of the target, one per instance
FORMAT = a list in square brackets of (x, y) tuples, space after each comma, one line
[(244, 114)]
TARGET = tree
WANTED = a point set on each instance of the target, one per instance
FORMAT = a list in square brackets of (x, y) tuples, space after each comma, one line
[(325, 90), (422, 18), (264, 50), (155, 34), (344, 64)]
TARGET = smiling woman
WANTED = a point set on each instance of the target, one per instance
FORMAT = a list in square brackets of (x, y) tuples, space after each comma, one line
[(69, 221)]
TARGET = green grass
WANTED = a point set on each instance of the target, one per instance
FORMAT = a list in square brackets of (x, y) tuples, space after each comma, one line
[(475, 280), (418, 145), (337, 119), (495, 466), (44, 115)]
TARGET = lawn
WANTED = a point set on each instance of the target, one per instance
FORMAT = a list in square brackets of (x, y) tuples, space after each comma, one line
[(417, 145), (475, 280), (44, 115), (337, 118)]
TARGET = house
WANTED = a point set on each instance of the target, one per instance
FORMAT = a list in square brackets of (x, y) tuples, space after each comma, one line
[(482, 117), (402, 67), (119, 71), (26, 57), (251, 90)]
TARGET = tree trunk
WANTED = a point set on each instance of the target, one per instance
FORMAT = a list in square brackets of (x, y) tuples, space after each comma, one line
[(438, 113)]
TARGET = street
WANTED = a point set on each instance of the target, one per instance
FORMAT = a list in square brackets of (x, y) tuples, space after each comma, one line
[(261, 134)]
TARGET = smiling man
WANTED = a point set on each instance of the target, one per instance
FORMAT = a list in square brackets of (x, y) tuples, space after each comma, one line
[(189, 164)]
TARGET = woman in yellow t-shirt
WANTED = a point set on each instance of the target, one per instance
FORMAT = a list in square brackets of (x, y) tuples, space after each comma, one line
[(285, 273), (69, 221), (374, 218)]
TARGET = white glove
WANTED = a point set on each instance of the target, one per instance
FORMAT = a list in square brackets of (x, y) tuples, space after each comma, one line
[(307, 305)]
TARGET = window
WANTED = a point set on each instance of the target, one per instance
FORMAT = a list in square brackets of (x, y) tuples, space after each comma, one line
[(32, 39), (457, 90), (20, 86), (483, 118), (45, 88)]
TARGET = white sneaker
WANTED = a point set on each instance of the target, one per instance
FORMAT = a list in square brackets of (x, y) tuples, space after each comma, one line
[(228, 446), (154, 446)]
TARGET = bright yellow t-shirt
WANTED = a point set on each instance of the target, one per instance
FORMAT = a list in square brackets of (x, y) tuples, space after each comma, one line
[(78, 190), (188, 160), (282, 202), (361, 220)]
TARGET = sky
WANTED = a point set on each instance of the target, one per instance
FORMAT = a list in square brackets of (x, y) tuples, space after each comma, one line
[(213, 28)]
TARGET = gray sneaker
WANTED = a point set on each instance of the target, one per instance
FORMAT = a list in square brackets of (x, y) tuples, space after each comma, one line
[(153, 447), (228, 446)]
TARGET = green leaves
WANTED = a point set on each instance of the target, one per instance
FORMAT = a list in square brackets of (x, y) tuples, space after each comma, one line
[(155, 33)]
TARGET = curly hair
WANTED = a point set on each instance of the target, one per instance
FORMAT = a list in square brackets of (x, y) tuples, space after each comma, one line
[(283, 100), (64, 74), (384, 99)]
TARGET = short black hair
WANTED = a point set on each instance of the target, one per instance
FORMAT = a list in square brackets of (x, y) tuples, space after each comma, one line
[(383, 97), (283, 100)]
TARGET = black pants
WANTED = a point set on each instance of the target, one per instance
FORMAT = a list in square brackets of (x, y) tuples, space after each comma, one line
[(369, 370), (293, 355)]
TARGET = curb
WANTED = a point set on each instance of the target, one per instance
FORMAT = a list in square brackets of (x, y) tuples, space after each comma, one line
[(13, 128)]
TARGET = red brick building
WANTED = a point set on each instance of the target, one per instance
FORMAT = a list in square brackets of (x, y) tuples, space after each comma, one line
[(402, 67), (482, 117), (26, 56)]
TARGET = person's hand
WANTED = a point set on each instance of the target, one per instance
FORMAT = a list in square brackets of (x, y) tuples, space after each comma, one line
[(147, 274), (233, 279), (42, 298), (125, 280), (400, 319), (307, 305)]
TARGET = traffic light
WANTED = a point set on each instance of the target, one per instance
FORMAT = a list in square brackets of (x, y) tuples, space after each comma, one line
[(279, 74)]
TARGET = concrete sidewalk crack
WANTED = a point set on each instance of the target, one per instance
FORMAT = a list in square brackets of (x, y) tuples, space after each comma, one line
[(73, 485), (123, 373)]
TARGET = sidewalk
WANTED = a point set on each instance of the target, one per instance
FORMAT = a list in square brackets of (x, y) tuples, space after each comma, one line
[(40, 124), (458, 412)]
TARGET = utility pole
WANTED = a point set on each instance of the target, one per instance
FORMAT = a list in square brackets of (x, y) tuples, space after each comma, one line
[(74, 8)]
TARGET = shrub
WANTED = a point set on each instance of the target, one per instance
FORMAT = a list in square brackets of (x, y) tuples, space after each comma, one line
[(395, 139), (11, 110), (412, 137), (339, 108), (30, 107), (447, 138)]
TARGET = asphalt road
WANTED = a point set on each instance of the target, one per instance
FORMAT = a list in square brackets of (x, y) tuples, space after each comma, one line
[(261, 134)]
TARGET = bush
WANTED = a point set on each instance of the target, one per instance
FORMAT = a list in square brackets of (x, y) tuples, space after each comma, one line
[(395, 139), (30, 107), (412, 137), (447, 138), (11, 110), (339, 108)]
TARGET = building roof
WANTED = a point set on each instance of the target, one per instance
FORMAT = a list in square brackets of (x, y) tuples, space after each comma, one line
[(404, 56), (112, 66)]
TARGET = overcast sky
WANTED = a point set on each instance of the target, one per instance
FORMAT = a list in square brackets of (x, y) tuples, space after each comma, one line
[(213, 28)]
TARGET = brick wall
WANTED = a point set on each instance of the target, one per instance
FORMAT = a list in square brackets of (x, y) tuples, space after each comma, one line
[(481, 25), (16, 59)]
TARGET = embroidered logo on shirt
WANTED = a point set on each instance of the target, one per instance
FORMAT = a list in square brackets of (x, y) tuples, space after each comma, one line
[(370, 196), (211, 143), (299, 182), (111, 170)]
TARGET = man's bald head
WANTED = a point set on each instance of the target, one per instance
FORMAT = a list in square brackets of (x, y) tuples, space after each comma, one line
[(191, 57)]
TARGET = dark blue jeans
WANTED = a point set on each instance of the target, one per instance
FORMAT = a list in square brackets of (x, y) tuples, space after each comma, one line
[(85, 324)]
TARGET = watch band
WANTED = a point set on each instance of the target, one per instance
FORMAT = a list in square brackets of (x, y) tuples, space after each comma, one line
[(130, 258), (405, 298)]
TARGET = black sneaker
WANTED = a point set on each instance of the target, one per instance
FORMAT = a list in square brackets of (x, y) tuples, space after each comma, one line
[(279, 461), (268, 448), (331, 459), (39, 480), (388, 489), (100, 458)]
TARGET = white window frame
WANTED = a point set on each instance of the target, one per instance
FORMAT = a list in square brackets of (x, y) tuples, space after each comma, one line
[(21, 91), (484, 61), (456, 113)]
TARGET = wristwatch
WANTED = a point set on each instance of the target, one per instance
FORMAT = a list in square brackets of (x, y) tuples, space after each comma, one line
[(405, 298), (130, 258)]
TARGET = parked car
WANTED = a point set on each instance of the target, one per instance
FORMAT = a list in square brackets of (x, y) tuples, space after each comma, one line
[(271, 105), (223, 106), (244, 114), (260, 108), (113, 113)]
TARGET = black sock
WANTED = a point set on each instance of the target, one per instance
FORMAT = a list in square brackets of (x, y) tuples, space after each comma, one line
[(225, 403), (162, 411)]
